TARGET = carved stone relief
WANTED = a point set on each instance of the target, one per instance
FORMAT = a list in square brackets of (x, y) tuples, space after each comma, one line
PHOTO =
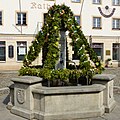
[(20, 95)]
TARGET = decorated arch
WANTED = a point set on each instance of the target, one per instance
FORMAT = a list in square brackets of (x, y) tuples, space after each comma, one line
[(59, 18)]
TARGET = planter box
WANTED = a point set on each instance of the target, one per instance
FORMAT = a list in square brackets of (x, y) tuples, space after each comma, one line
[(32, 100)]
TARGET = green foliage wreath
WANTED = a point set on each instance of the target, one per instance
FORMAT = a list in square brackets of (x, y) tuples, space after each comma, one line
[(60, 17)]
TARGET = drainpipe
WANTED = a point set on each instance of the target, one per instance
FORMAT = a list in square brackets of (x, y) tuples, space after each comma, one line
[(20, 12), (81, 8)]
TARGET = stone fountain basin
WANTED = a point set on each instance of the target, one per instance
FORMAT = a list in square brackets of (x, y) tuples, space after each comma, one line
[(29, 99)]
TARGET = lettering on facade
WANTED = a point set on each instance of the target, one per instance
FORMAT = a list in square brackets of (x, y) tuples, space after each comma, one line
[(20, 95), (35, 5)]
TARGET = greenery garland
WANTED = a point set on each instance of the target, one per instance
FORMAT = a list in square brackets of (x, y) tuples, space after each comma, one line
[(60, 18)]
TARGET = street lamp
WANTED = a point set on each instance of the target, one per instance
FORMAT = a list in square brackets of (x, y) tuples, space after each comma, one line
[(81, 8)]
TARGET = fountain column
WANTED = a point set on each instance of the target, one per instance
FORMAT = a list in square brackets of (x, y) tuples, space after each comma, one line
[(61, 64)]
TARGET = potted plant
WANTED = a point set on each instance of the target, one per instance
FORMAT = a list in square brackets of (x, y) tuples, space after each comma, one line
[(107, 62)]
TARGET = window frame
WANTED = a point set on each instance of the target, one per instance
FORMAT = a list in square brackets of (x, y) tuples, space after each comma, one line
[(44, 17), (79, 19), (96, 26), (97, 2), (114, 3), (3, 46), (113, 53), (75, 1), (74, 54), (21, 44), (98, 46), (1, 19), (114, 27), (21, 19)]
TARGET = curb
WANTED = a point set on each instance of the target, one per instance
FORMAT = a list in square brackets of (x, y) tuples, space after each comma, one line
[(9, 72)]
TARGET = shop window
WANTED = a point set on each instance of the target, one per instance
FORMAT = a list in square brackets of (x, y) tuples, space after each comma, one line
[(21, 18), (11, 51), (116, 49), (2, 51), (98, 48), (21, 50)]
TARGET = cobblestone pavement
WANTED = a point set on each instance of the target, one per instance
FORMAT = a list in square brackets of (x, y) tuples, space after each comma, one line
[(114, 71), (4, 113), (5, 80)]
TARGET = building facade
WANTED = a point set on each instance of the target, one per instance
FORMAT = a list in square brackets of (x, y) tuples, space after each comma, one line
[(20, 21)]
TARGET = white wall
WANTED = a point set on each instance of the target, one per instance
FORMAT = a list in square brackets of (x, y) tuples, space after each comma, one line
[(36, 8), (90, 10)]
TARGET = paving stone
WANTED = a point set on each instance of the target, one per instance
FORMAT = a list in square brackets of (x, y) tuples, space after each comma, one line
[(4, 98)]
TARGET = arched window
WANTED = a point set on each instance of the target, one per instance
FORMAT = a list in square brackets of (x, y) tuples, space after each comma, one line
[(11, 51)]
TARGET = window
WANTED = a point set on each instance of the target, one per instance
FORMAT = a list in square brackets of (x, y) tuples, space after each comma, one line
[(97, 22), (21, 50), (116, 2), (98, 48), (96, 1), (21, 18), (45, 17), (75, 55), (76, 1), (0, 17), (116, 49), (116, 24), (77, 18), (2, 51)]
